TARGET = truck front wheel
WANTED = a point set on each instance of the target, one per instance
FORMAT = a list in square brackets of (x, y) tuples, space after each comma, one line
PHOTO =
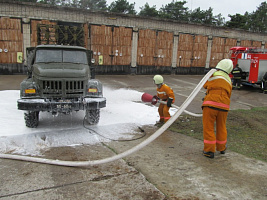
[(31, 119), (92, 116)]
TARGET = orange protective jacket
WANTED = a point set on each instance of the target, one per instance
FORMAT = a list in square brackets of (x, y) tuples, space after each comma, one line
[(165, 92), (219, 89)]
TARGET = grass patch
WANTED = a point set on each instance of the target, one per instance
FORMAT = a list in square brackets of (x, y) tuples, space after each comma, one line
[(247, 131)]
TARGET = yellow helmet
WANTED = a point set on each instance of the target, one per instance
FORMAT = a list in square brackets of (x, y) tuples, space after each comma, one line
[(158, 79), (225, 65)]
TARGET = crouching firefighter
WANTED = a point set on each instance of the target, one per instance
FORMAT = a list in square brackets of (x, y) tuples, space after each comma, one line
[(215, 108), (164, 93)]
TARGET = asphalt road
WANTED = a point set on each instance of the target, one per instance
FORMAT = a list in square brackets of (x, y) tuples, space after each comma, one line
[(171, 167)]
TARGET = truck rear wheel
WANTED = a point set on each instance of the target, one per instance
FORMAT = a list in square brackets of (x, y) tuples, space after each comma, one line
[(31, 119), (92, 116)]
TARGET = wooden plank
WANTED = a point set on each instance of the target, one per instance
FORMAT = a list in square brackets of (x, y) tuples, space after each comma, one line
[(185, 48), (164, 45), (229, 43), (246, 43), (116, 43), (217, 50), (256, 44), (11, 39), (4, 22), (154, 46)]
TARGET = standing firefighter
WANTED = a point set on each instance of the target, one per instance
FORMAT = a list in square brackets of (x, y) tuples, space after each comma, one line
[(237, 75), (164, 93), (215, 108)]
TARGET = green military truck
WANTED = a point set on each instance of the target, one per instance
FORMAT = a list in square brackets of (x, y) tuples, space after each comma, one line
[(60, 80)]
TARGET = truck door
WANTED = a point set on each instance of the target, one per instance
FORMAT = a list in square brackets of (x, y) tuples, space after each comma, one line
[(262, 68), (254, 70), (244, 64)]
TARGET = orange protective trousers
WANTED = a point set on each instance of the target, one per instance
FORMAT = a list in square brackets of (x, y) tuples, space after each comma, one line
[(164, 112), (212, 141)]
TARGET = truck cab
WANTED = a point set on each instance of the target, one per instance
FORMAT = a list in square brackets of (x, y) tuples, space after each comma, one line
[(60, 80)]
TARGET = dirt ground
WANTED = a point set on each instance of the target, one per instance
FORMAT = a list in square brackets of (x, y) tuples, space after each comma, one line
[(171, 167)]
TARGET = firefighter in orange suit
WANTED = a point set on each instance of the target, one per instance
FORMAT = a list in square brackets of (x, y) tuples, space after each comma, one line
[(164, 93), (215, 108)]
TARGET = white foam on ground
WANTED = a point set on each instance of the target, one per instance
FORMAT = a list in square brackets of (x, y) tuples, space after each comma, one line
[(118, 120)]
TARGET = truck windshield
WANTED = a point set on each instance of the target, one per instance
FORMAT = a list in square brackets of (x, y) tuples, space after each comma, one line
[(61, 56)]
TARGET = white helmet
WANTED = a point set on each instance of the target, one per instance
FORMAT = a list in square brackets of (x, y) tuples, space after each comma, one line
[(158, 79), (225, 65)]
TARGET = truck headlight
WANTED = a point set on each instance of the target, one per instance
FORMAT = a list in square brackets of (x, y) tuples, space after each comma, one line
[(30, 91), (93, 91), (94, 88)]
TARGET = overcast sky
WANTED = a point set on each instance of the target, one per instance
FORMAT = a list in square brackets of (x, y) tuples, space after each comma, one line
[(224, 7)]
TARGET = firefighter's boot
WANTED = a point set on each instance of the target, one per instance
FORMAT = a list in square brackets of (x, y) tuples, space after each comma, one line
[(208, 154), (223, 152)]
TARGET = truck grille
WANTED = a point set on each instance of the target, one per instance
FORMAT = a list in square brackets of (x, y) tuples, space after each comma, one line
[(52, 86), (63, 88), (74, 85)]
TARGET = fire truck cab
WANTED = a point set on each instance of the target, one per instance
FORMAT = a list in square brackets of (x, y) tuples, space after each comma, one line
[(252, 61)]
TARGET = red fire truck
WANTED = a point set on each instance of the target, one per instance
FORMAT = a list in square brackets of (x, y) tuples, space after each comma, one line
[(252, 61)]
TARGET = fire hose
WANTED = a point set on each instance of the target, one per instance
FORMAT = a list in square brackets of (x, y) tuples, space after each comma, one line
[(121, 155), (186, 111)]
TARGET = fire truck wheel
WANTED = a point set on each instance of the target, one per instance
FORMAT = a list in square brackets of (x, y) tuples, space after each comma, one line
[(92, 116), (31, 119)]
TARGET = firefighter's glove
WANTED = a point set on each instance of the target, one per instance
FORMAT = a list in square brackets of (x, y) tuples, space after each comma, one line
[(155, 100), (169, 102)]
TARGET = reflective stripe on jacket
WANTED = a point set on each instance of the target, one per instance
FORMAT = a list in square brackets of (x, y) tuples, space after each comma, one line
[(165, 92), (219, 89)]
